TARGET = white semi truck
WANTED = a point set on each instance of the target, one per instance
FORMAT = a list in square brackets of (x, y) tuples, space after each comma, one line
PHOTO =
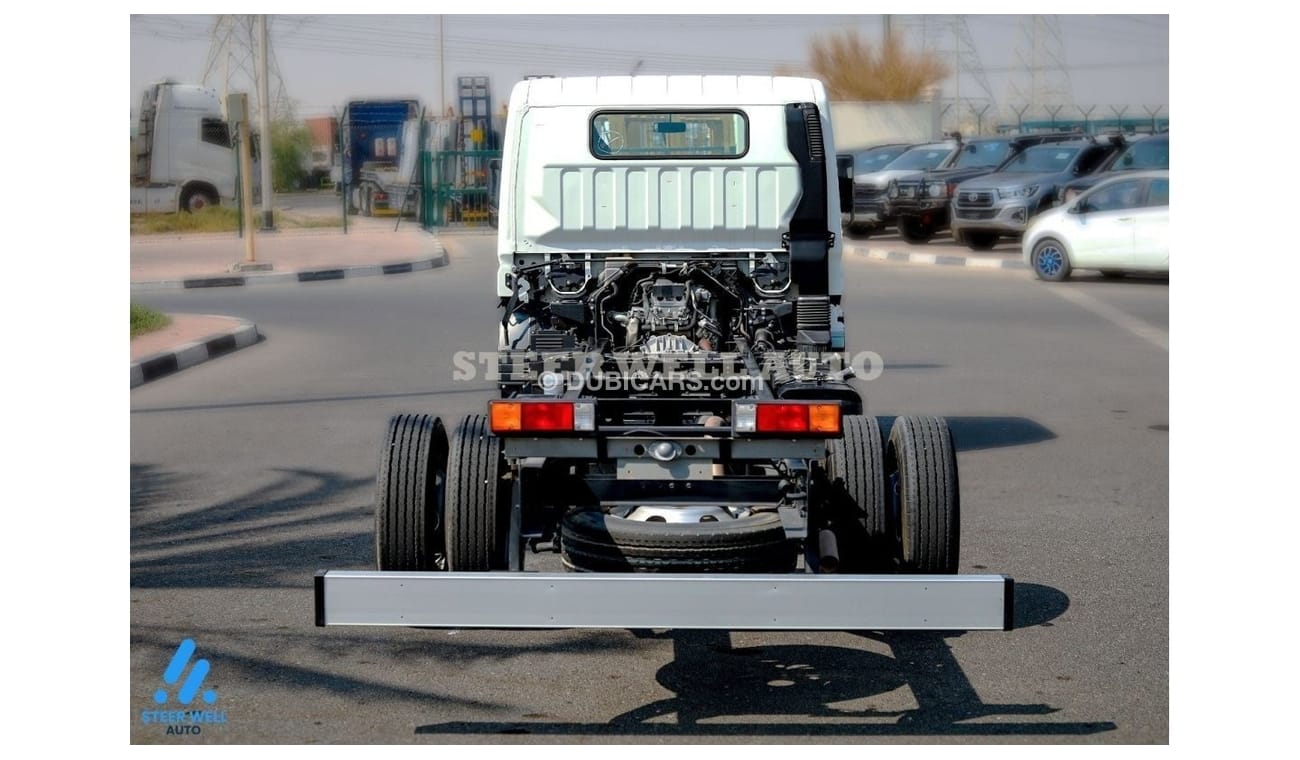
[(659, 238), (182, 154)]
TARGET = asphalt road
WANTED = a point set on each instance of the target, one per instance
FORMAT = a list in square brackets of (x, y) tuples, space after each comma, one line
[(250, 472)]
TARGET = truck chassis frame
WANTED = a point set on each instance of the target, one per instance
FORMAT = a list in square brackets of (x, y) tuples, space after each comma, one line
[(780, 474)]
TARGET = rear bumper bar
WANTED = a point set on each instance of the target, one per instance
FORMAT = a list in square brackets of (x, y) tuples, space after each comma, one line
[(729, 602)]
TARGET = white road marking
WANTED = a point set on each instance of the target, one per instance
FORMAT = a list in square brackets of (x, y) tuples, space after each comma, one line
[(1149, 333)]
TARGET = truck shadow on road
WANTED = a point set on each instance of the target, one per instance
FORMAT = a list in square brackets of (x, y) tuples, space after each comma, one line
[(975, 433), (273, 534), (798, 690), (261, 654)]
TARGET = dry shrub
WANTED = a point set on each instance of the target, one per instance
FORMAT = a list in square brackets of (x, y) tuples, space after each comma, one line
[(854, 69)]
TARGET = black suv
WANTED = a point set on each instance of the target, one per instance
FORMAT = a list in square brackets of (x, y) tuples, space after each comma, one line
[(872, 210), (1144, 154), (922, 203)]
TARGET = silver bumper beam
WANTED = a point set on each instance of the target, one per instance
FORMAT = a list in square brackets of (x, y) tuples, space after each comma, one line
[(729, 602)]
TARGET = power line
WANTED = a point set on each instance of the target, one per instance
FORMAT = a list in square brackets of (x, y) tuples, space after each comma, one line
[(232, 40)]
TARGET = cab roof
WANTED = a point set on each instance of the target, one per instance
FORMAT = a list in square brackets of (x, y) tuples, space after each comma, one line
[(675, 90)]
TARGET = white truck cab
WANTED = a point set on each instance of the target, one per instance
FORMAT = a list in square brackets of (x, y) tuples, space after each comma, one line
[(183, 159), (637, 165)]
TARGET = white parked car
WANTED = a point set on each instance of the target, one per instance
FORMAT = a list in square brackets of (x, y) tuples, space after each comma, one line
[(1117, 226)]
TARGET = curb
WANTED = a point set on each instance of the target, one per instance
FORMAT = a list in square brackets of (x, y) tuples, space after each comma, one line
[(938, 259), (189, 354), (307, 275)]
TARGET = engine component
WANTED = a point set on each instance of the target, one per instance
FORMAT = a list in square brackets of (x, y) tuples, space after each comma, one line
[(568, 278), (553, 340), (813, 314), (669, 344), (667, 308)]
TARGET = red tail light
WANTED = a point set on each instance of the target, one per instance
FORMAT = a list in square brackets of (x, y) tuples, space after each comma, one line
[(546, 416), (508, 417), (777, 418), (782, 418)]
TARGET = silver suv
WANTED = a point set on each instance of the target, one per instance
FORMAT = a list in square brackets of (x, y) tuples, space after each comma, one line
[(988, 207)]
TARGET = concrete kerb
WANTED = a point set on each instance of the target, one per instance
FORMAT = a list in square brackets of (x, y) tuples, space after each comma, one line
[(307, 275), (974, 262), (186, 355)]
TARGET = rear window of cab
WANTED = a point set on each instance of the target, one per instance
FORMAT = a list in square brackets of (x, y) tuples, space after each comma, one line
[(669, 134)]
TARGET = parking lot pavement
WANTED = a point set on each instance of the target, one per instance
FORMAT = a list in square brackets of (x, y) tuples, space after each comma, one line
[(941, 251)]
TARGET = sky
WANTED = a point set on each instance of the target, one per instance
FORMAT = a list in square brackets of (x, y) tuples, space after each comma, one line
[(325, 60)]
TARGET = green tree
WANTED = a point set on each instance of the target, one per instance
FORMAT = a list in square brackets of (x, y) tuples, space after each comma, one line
[(290, 151)]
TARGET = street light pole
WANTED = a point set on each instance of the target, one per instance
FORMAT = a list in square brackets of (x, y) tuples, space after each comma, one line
[(237, 110), (442, 73), (264, 96)]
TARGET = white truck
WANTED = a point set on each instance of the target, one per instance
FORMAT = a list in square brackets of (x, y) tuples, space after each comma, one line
[(675, 417), (182, 155)]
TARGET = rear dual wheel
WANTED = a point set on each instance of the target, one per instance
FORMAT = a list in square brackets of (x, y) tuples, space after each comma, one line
[(921, 473), (895, 505), (438, 503), (477, 505), (409, 494), (856, 506)]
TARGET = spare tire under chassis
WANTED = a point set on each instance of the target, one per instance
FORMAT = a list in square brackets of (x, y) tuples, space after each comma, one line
[(594, 541)]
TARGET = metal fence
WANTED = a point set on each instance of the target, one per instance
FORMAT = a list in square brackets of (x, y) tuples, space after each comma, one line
[(461, 188), (442, 175), (983, 118)]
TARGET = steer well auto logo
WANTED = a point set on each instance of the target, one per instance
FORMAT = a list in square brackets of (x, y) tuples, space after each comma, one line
[(182, 683)]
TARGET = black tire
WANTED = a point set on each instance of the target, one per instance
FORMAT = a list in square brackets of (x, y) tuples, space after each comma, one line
[(981, 241), (913, 230), (1050, 260), (593, 541), (863, 230), (408, 494), (197, 199), (474, 498), (921, 463), (856, 502)]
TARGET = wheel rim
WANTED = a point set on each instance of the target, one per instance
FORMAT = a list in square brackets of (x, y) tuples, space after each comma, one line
[(1050, 260)]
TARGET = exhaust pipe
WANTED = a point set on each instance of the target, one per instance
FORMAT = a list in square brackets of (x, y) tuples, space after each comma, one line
[(828, 551)]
